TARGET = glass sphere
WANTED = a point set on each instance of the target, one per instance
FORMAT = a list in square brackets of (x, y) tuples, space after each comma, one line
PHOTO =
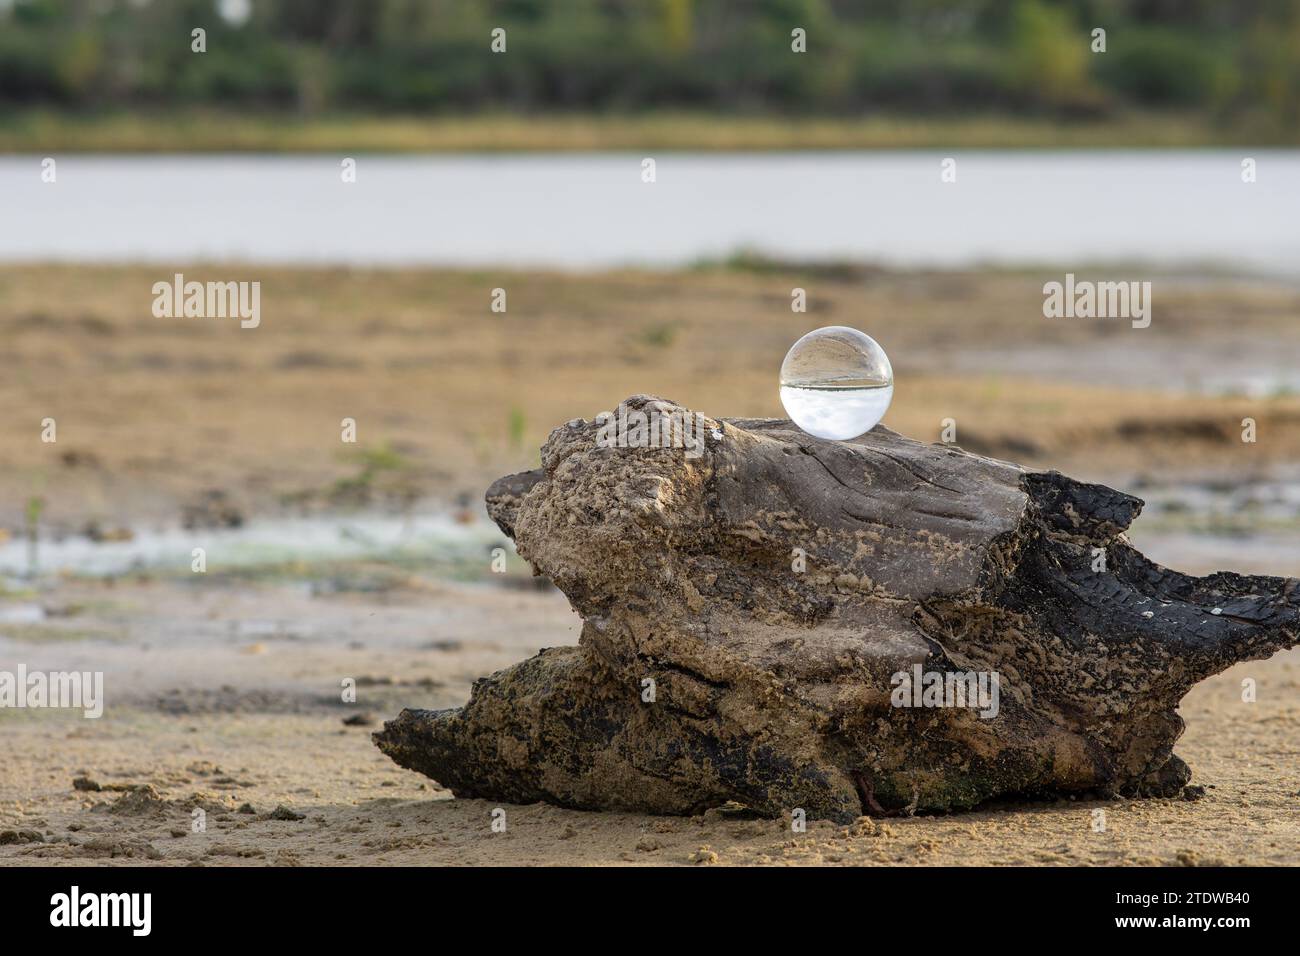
[(836, 383)]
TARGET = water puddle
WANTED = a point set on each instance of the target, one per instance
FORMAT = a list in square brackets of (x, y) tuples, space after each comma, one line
[(435, 538)]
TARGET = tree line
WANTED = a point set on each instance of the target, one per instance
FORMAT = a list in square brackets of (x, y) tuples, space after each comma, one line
[(1224, 60)]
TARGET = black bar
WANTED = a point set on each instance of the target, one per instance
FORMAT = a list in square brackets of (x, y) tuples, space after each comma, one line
[(300, 906)]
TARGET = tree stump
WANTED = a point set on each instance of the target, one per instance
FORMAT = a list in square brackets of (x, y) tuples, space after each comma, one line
[(789, 622)]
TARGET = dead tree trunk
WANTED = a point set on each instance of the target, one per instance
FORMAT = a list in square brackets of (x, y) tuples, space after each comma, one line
[(789, 622)]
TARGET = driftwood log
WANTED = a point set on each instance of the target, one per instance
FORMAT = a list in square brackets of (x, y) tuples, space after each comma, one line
[(756, 612)]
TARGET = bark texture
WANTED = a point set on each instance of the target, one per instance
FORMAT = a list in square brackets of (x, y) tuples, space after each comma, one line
[(770, 590)]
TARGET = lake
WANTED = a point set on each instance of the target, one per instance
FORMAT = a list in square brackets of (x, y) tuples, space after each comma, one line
[(1177, 208)]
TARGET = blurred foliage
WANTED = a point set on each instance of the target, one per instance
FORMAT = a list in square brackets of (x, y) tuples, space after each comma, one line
[(1047, 55), (733, 56)]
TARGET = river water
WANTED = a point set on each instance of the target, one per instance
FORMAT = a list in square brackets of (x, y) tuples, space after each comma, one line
[(589, 211)]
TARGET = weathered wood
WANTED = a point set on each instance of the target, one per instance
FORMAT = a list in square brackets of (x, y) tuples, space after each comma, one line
[(775, 682)]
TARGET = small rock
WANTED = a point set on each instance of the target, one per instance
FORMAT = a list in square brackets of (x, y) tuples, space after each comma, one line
[(21, 836), (731, 810), (862, 826), (284, 813), (145, 800), (110, 847), (212, 509), (100, 534), (85, 783), (704, 855), (359, 720)]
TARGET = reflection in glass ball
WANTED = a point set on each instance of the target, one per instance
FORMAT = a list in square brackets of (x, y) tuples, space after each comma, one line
[(836, 383)]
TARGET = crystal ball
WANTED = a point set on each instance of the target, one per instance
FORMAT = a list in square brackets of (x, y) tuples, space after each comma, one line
[(836, 383)]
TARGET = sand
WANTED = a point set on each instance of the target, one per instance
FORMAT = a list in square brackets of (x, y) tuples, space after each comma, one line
[(152, 413)]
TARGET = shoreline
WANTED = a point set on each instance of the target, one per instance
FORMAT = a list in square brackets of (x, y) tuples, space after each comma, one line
[(207, 131)]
